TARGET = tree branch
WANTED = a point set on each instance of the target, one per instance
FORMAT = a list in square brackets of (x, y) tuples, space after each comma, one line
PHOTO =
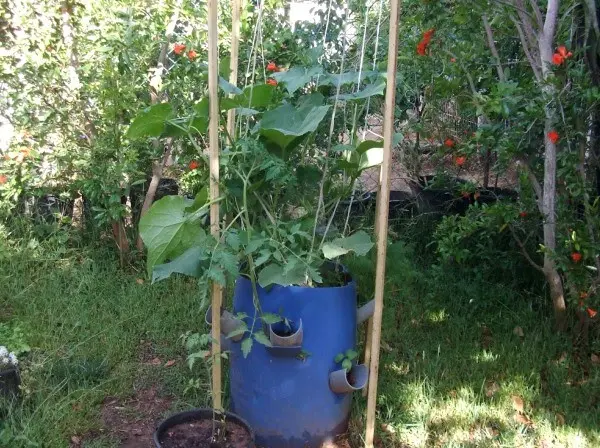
[(524, 250), (490, 38), (537, 12), (535, 66), (551, 18)]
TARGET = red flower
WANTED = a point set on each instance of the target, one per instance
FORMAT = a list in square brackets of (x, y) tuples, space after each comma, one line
[(3, 179), (427, 35), (592, 313), (178, 48), (422, 48), (272, 67), (553, 136), (523, 214), (466, 194), (557, 59), (562, 50), (576, 257), (271, 82), (449, 142), (194, 165), (192, 55), (452, 59), (460, 161)]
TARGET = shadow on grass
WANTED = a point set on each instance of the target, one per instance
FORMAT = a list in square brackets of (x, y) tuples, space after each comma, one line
[(456, 371)]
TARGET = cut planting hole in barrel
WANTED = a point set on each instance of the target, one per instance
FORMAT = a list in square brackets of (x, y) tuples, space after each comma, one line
[(342, 381), (286, 333)]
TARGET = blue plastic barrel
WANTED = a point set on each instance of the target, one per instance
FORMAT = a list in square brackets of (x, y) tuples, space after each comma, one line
[(287, 401)]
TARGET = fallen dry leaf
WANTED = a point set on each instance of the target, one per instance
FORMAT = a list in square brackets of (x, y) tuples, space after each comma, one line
[(75, 440), (386, 427), (491, 388), (562, 358), (140, 281), (170, 363), (518, 331), (155, 362), (560, 419), (518, 404), (523, 420), (595, 359)]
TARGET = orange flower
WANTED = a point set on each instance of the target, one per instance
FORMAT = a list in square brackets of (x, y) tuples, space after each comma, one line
[(452, 59), (3, 179), (562, 50), (523, 214), (460, 161), (557, 59), (194, 165), (422, 48), (427, 35), (592, 313), (553, 136), (271, 82), (272, 67), (192, 55), (178, 49), (449, 142), (576, 257)]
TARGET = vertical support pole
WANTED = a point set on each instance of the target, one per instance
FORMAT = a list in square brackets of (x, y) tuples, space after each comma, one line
[(213, 138), (383, 199), (236, 6)]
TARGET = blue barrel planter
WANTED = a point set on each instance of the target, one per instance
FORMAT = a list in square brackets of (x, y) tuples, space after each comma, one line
[(288, 401)]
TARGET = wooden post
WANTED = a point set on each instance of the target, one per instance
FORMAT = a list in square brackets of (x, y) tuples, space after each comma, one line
[(383, 199), (236, 6), (213, 138)]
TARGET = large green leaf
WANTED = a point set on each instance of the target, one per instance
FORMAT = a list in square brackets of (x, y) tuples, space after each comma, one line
[(360, 243), (274, 274), (168, 231), (336, 79), (188, 263), (376, 88), (228, 88), (253, 97), (284, 124), (151, 121), (370, 158), (297, 77)]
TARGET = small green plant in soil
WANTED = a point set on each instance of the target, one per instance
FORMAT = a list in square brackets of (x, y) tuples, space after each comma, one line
[(346, 359)]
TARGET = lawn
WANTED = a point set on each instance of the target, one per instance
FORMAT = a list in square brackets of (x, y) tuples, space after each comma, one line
[(464, 362)]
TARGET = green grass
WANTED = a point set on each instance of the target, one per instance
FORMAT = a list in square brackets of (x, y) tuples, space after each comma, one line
[(450, 363)]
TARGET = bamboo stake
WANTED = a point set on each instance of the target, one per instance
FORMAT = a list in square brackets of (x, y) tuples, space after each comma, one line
[(213, 136), (236, 6), (383, 199)]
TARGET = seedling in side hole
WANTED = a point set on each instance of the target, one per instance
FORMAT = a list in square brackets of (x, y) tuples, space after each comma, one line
[(346, 359)]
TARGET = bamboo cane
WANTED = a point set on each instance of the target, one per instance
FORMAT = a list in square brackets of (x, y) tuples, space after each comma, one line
[(383, 199), (213, 136), (236, 6)]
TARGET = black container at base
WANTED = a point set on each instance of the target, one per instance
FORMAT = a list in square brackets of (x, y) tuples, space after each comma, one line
[(9, 383), (197, 415)]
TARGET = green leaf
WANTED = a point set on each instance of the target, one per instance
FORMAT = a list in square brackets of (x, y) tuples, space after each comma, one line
[(283, 124), (274, 274), (240, 330), (297, 77), (372, 157), (167, 231), (351, 354), (228, 88), (202, 108), (376, 88), (347, 364), (265, 254), (339, 357), (270, 318), (359, 243), (368, 144), (247, 346), (151, 121), (192, 357), (336, 79), (262, 338), (188, 263), (200, 200)]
